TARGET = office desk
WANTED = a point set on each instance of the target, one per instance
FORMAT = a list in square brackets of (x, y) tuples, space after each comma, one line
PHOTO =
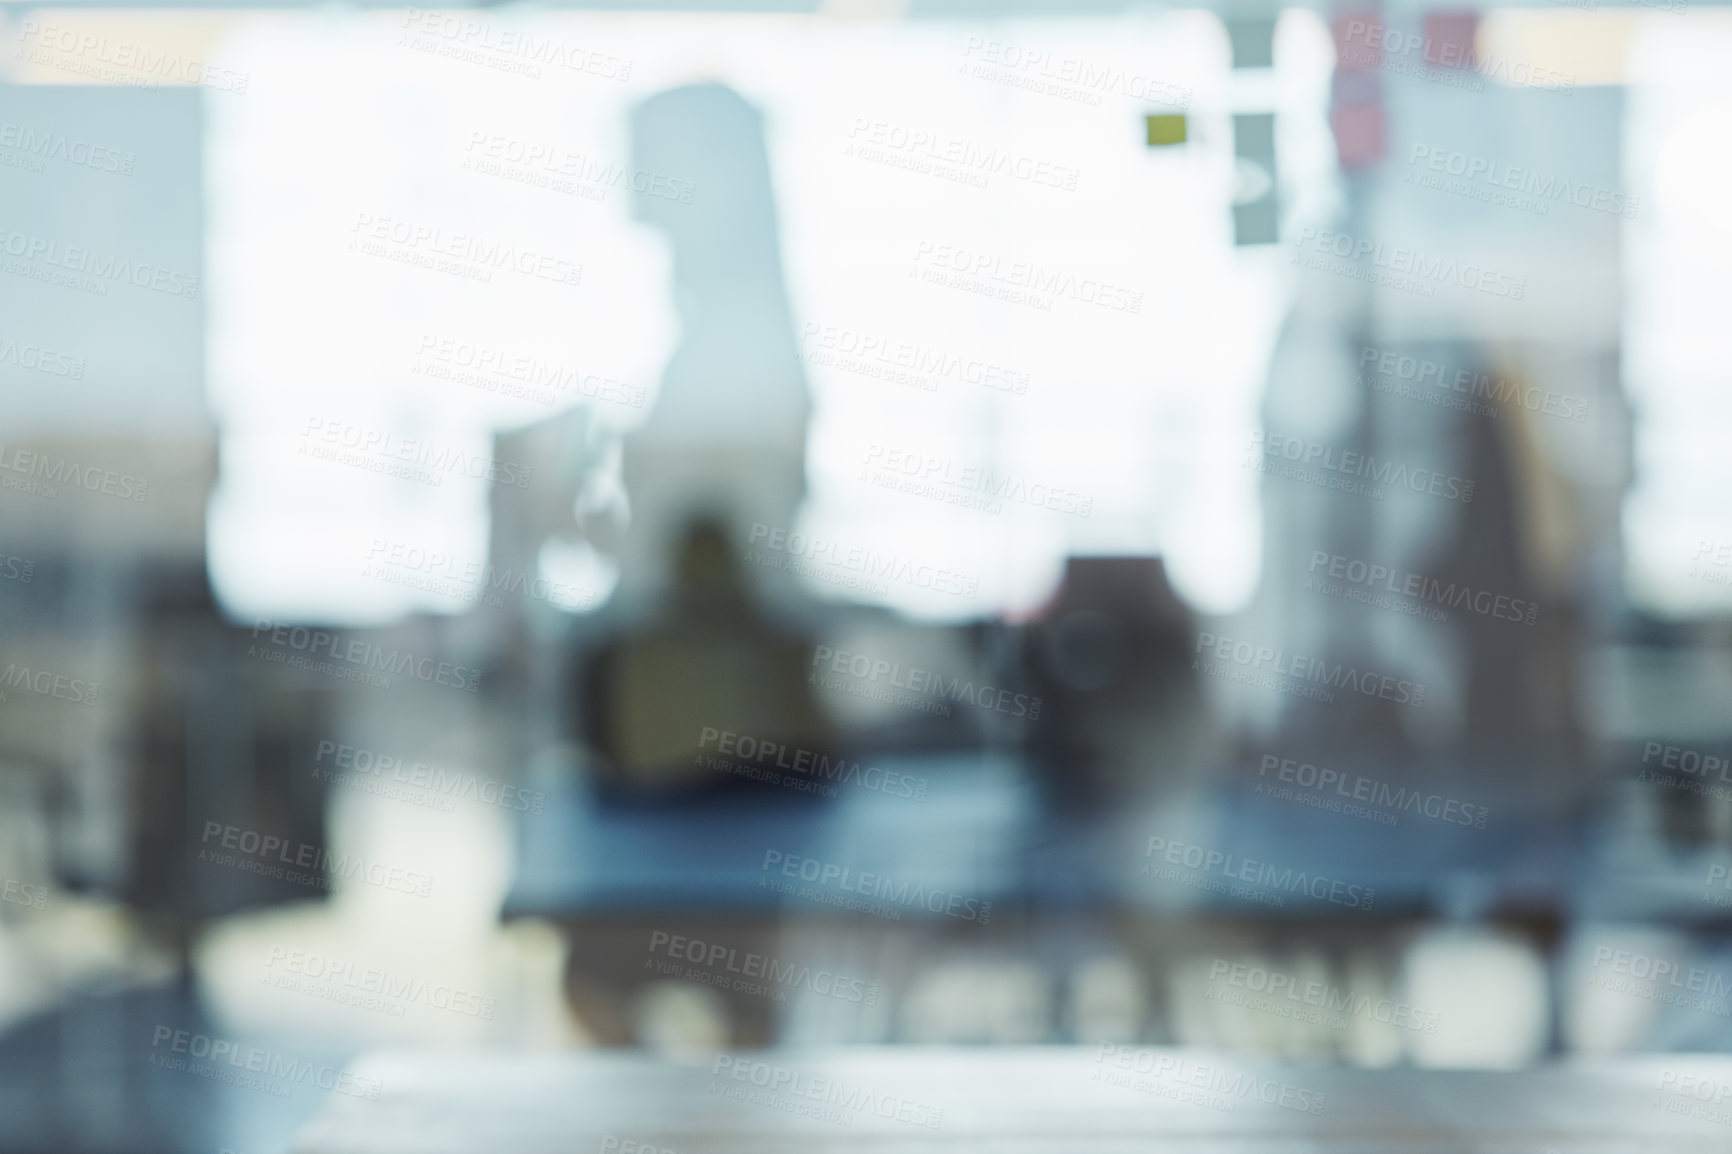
[(1058, 1100), (981, 830), (977, 862), (585, 857)]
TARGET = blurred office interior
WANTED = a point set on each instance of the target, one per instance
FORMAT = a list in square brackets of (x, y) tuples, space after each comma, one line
[(537, 527)]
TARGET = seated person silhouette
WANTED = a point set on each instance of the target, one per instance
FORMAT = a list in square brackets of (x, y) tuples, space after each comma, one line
[(707, 695), (1111, 657)]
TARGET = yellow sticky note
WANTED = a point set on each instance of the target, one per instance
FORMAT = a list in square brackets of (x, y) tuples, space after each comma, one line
[(1166, 130)]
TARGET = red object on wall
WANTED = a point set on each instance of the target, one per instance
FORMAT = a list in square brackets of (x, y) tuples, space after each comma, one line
[(1356, 110), (1358, 40), (1449, 38), (1361, 134)]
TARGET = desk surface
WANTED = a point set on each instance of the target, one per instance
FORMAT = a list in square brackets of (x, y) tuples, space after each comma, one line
[(978, 830), (1053, 1100)]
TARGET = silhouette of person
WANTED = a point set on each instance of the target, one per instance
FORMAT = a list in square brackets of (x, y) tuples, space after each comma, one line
[(726, 438), (707, 662)]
